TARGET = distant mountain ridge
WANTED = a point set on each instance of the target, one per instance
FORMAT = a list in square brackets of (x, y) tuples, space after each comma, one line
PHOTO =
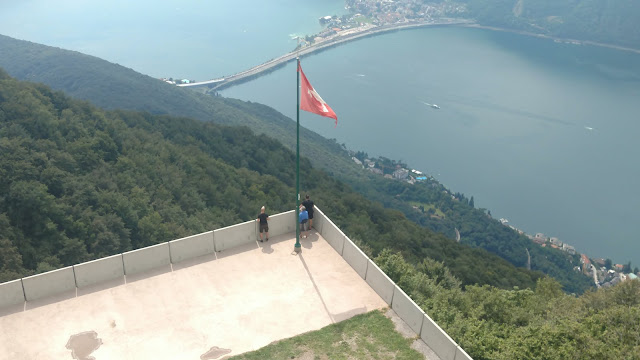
[(605, 21)]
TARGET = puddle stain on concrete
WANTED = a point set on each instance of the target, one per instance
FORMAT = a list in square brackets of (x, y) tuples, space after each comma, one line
[(83, 344), (214, 353)]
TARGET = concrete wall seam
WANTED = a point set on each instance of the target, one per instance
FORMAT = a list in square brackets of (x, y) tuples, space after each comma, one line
[(408, 310), (75, 280), (49, 283), (355, 257), (191, 247), (334, 237), (318, 220), (100, 270), (146, 259), (437, 339), (235, 235), (380, 282), (11, 293)]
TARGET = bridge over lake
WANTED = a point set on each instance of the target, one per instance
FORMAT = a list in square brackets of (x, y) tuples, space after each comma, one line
[(340, 37)]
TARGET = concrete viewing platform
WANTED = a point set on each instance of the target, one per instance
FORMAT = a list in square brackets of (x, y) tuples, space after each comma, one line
[(207, 296), (237, 300)]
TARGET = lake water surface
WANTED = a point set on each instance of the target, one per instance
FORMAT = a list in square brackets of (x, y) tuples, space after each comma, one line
[(541, 133), (544, 134)]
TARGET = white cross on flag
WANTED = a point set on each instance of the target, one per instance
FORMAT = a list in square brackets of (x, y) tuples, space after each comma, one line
[(311, 101)]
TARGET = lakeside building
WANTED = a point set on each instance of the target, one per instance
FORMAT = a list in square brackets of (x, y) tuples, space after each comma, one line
[(401, 174)]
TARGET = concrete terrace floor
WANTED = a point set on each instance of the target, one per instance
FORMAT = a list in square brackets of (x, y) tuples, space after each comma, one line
[(237, 300)]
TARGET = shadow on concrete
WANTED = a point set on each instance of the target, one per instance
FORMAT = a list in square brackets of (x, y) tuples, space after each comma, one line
[(348, 314), (195, 261), (12, 309), (266, 247), (326, 309), (147, 274), (279, 239), (50, 299), (312, 237), (306, 243), (238, 249), (100, 286)]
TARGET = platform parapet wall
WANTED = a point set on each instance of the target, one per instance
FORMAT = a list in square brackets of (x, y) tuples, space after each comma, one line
[(97, 271), (282, 223), (436, 338), (235, 235), (191, 247), (11, 293), (48, 284)]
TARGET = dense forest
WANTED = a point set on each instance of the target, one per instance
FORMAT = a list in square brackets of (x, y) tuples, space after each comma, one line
[(543, 323), (79, 183), (606, 21), (114, 87)]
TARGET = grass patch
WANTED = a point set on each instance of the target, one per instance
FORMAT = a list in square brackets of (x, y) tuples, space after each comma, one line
[(366, 336), (363, 20), (437, 212)]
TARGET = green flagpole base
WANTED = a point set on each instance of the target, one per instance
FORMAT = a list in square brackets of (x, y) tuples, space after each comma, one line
[(297, 248)]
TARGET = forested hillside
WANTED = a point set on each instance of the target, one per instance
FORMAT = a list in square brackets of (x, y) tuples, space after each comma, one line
[(607, 21), (112, 86), (544, 323), (78, 183)]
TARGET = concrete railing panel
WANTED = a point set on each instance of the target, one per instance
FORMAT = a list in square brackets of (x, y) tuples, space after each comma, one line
[(438, 340), (49, 283), (355, 257), (146, 259), (235, 235), (380, 282), (408, 310), (462, 355), (191, 247), (283, 223), (333, 236), (319, 219), (100, 270), (11, 293)]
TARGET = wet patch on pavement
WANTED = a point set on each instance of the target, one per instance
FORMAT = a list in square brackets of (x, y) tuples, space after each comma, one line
[(83, 344)]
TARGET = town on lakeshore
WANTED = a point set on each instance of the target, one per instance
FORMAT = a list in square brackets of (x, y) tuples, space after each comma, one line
[(365, 18), (603, 271)]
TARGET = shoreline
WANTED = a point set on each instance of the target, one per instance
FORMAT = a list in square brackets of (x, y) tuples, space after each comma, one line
[(273, 64), (554, 38)]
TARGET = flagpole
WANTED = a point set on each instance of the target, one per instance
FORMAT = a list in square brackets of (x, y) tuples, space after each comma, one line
[(297, 248)]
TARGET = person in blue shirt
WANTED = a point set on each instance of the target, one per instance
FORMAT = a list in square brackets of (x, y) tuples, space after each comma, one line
[(303, 218)]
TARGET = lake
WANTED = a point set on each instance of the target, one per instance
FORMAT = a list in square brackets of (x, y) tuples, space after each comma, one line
[(541, 133)]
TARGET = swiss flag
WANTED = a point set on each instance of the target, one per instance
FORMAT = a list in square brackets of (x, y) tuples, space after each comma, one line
[(311, 101)]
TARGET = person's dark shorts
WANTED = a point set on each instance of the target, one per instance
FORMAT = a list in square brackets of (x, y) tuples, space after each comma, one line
[(264, 227), (303, 224), (310, 214)]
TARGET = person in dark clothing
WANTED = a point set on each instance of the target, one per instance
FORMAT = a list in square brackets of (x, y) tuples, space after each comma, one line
[(308, 204), (264, 225)]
